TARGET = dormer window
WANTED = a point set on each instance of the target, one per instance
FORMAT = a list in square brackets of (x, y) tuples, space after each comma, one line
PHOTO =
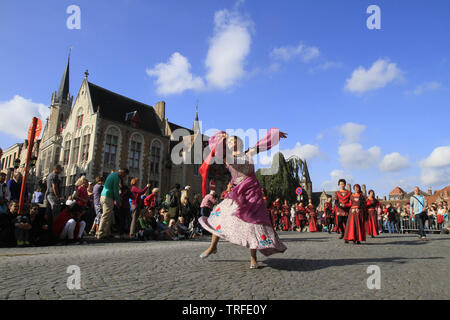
[(133, 119)]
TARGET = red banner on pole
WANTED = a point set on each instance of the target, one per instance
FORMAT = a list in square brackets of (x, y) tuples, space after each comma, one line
[(32, 136)]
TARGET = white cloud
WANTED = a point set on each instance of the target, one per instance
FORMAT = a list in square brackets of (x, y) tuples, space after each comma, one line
[(175, 76), (378, 76), (335, 175), (16, 115), (436, 167), (229, 48), (394, 162), (352, 132), (439, 158), (427, 86), (353, 155), (301, 51), (304, 152)]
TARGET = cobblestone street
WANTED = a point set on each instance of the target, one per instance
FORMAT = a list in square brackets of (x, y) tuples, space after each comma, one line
[(315, 266)]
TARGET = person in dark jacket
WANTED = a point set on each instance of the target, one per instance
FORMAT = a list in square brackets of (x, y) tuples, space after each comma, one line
[(7, 238), (40, 234), (392, 218), (175, 206)]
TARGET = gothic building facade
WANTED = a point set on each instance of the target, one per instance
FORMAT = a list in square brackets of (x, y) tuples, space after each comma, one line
[(101, 131)]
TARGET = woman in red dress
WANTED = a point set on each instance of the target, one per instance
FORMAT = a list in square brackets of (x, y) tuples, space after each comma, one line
[(276, 207), (301, 217), (354, 228), (372, 205), (285, 214), (312, 217)]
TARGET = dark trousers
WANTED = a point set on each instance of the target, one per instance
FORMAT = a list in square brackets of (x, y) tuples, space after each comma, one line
[(330, 224), (341, 221), (302, 224), (124, 218), (22, 235), (205, 212), (420, 218)]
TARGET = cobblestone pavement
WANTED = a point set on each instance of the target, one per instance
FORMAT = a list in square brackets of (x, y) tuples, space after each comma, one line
[(315, 266)]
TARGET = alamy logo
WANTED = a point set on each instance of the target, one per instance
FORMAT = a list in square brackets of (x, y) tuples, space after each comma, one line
[(74, 281), (74, 20), (374, 21), (374, 281)]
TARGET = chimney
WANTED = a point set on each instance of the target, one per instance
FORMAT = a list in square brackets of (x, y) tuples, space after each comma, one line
[(364, 190), (161, 110)]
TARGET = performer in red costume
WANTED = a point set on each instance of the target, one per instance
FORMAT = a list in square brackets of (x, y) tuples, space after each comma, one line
[(329, 213), (312, 216), (343, 204), (285, 215), (276, 214), (372, 205), (301, 217), (354, 229)]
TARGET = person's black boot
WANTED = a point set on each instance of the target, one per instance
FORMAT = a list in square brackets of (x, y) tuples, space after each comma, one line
[(342, 236)]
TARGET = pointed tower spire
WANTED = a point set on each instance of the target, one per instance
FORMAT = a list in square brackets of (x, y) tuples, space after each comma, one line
[(62, 94), (196, 126)]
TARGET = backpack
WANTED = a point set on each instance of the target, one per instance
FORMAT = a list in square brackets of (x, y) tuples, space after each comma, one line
[(172, 200)]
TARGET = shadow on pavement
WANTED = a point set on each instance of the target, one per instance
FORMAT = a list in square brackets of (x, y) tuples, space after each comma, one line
[(311, 265)]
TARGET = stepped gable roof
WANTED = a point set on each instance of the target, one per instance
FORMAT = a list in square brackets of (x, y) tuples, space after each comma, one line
[(115, 107), (443, 193), (397, 191)]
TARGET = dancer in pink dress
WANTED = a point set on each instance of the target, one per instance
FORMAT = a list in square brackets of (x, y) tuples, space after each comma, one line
[(242, 217)]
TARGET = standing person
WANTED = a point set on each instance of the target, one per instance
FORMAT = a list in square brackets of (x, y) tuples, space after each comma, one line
[(329, 214), (311, 210), (398, 217), (150, 200), (242, 217), (354, 228), (81, 194), (175, 202), (301, 217), (125, 213), (285, 216), (343, 204), (14, 186), (441, 211), (136, 203), (391, 218), (372, 205), (186, 210), (38, 196), (380, 218), (276, 208), (292, 218), (419, 210), (53, 193), (97, 191), (4, 193), (110, 194)]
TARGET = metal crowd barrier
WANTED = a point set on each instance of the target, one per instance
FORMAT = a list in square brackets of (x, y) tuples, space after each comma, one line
[(431, 226)]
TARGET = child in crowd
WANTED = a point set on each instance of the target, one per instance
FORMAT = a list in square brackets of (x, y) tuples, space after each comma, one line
[(144, 227), (22, 225)]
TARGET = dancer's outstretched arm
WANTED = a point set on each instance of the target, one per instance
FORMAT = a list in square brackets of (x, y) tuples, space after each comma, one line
[(271, 139)]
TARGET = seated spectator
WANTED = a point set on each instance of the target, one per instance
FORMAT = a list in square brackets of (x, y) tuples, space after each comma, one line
[(182, 230), (40, 233), (68, 224), (166, 217), (7, 238), (38, 196), (166, 232), (22, 225), (145, 229)]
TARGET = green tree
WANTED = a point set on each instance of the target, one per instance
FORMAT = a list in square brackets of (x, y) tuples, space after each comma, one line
[(281, 183)]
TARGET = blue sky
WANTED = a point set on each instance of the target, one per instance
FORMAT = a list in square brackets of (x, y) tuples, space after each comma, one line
[(368, 105)]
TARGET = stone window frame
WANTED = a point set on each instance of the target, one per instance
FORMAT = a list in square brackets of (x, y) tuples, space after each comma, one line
[(106, 168), (151, 176), (140, 140)]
